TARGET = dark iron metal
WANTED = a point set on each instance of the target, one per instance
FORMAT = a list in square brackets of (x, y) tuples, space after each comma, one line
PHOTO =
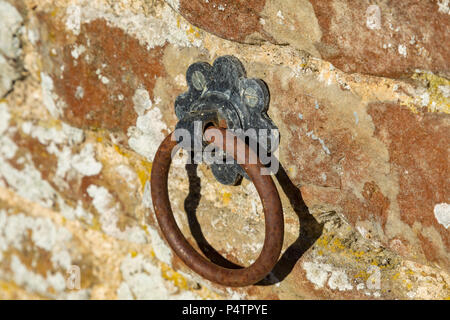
[(222, 95), (273, 212)]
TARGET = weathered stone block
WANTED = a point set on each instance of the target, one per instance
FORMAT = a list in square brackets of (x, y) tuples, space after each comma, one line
[(364, 177), (388, 39)]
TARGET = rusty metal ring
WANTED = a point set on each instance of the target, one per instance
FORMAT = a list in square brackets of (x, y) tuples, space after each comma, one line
[(273, 212)]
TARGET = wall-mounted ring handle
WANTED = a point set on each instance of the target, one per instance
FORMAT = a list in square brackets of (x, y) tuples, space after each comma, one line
[(273, 213)]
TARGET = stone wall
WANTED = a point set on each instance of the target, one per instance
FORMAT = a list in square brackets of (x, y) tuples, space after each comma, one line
[(359, 90)]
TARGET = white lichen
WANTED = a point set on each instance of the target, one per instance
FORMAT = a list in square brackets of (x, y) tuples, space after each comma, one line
[(28, 182), (10, 24), (445, 91), (402, 50), (175, 4), (141, 101), (10, 47), (442, 214), (85, 162), (318, 273), (280, 15), (145, 137), (54, 105), (33, 36), (26, 278), (66, 135), (443, 6), (73, 21), (162, 251), (15, 229), (8, 75), (339, 281), (425, 99), (147, 196), (7, 146), (129, 175), (35, 282), (109, 210), (44, 233), (154, 31), (373, 282), (59, 143), (79, 93), (143, 281), (373, 17), (103, 79), (77, 51)]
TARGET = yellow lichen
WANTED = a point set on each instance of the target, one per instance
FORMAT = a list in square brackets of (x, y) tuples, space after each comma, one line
[(120, 151), (143, 168), (333, 245), (226, 197), (437, 102), (362, 274), (177, 279), (51, 36), (11, 291), (144, 172), (96, 224), (409, 271), (54, 12), (182, 284), (193, 31), (338, 244), (323, 241)]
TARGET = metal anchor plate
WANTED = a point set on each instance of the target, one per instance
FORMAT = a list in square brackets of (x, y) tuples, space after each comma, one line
[(222, 95)]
